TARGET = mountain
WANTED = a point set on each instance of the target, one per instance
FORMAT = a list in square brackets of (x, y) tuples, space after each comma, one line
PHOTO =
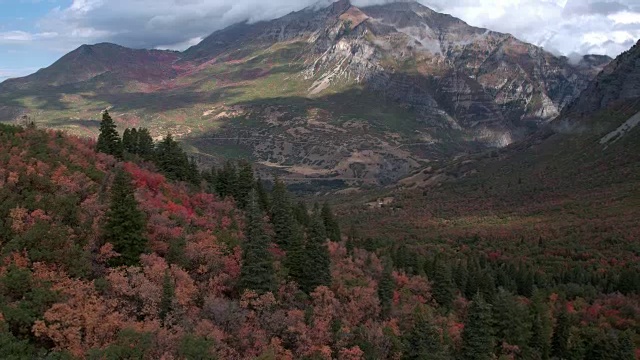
[(104, 61), (619, 82), (340, 95), (574, 182)]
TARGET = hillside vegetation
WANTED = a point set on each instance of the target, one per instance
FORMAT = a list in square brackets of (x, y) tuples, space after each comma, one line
[(213, 281)]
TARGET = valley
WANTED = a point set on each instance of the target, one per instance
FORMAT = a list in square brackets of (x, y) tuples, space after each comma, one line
[(365, 96)]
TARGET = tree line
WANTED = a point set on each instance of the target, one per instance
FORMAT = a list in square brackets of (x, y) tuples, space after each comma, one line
[(301, 233)]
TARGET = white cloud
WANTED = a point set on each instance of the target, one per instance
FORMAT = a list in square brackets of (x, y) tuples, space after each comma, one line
[(22, 36), (561, 26), (625, 17)]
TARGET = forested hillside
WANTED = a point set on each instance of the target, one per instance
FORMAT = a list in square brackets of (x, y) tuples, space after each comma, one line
[(104, 257)]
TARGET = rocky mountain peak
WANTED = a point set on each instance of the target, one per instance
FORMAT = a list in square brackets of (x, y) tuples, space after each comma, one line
[(618, 82), (339, 7)]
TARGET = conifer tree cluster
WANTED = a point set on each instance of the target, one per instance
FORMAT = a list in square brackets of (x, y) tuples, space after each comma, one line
[(237, 180), (173, 162), (300, 234), (167, 155), (138, 142)]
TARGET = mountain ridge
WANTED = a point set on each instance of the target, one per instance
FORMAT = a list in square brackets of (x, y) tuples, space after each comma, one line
[(414, 75)]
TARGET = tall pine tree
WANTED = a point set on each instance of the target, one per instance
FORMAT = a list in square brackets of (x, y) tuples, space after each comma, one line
[(145, 145), (301, 214), (477, 336), (423, 341), (128, 141), (386, 286), (317, 270), (109, 141), (124, 227), (541, 327), (511, 320), (330, 224), (282, 216), (257, 271), (443, 286), (295, 259), (561, 334), (226, 179), (263, 196), (245, 184)]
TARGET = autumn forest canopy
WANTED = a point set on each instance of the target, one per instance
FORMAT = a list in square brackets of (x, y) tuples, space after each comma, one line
[(124, 248)]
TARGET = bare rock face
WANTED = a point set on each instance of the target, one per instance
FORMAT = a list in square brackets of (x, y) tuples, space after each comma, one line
[(618, 82)]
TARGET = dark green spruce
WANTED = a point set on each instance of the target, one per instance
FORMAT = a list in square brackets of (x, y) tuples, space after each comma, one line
[(477, 336), (317, 270), (109, 141), (125, 223), (257, 271), (282, 217), (423, 341), (330, 223)]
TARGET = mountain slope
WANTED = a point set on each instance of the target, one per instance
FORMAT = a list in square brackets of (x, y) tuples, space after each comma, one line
[(355, 94), (573, 183), (101, 60), (619, 82)]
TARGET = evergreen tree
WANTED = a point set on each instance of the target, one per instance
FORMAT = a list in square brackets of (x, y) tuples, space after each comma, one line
[(226, 180), (477, 336), (510, 320), (135, 139), (281, 215), (193, 173), (330, 224), (423, 342), (460, 275), (127, 141), (210, 176), (145, 147), (541, 327), (124, 227), (171, 160), (302, 214), (351, 239), (561, 334), (295, 259), (257, 271), (317, 269), (168, 294), (245, 184), (386, 286), (263, 196), (443, 286), (109, 141)]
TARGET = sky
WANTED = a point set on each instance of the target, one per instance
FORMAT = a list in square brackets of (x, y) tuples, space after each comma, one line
[(35, 33)]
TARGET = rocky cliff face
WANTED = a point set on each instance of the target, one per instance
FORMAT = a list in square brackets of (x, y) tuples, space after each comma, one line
[(618, 82), (340, 92)]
